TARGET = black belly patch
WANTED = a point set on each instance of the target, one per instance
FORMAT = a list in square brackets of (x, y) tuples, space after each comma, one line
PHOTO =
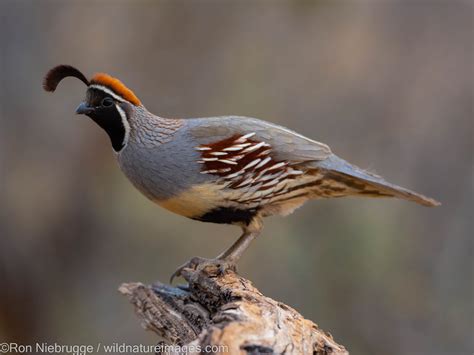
[(228, 215)]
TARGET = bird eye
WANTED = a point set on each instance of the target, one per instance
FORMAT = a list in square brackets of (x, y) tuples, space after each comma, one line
[(107, 102)]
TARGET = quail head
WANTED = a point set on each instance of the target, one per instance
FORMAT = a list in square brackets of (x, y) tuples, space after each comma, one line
[(230, 169)]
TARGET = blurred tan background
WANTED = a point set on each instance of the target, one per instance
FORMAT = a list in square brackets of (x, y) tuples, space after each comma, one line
[(388, 85)]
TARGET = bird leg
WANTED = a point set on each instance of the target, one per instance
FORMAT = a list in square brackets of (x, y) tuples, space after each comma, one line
[(236, 250), (227, 260)]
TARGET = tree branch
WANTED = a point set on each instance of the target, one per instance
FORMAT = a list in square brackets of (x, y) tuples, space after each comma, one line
[(227, 311)]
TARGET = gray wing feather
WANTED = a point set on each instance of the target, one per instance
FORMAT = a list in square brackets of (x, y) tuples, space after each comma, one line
[(286, 144)]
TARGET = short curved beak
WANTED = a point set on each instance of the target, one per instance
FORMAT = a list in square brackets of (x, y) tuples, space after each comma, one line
[(83, 109)]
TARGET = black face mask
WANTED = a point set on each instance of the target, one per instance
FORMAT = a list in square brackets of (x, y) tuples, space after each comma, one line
[(101, 108)]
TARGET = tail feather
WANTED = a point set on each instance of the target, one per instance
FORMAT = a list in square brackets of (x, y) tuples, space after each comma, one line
[(368, 184)]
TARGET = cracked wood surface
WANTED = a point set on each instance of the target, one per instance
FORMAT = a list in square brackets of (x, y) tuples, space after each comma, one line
[(228, 311)]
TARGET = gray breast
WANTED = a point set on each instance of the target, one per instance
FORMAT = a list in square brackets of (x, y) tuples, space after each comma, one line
[(162, 170)]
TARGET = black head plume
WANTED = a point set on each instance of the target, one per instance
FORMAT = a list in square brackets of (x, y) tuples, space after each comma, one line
[(55, 75)]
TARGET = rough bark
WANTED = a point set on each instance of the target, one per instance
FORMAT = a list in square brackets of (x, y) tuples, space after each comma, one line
[(225, 310)]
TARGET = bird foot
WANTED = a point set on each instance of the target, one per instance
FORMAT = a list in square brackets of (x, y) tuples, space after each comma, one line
[(222, 266)]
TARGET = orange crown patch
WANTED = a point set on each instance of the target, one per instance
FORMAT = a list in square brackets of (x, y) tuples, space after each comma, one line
[(116, 86)]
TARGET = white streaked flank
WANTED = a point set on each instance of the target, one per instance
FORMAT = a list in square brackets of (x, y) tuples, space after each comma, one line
[(234, 148), (225, 161), (255, 147), (252, 163), (245, 137), (277, 165), (263, 162)]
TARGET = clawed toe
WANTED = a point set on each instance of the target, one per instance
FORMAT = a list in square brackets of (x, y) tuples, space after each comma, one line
[(191, 264), (222, 266)]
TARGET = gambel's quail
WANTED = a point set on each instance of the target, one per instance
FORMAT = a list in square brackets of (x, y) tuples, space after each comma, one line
[(229, 169)]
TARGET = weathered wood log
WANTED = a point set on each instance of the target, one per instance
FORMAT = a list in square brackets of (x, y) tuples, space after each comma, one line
[(224, 313)]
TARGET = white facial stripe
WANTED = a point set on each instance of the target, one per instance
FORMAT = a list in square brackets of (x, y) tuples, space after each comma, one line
[(108, 91), (126, 126)]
